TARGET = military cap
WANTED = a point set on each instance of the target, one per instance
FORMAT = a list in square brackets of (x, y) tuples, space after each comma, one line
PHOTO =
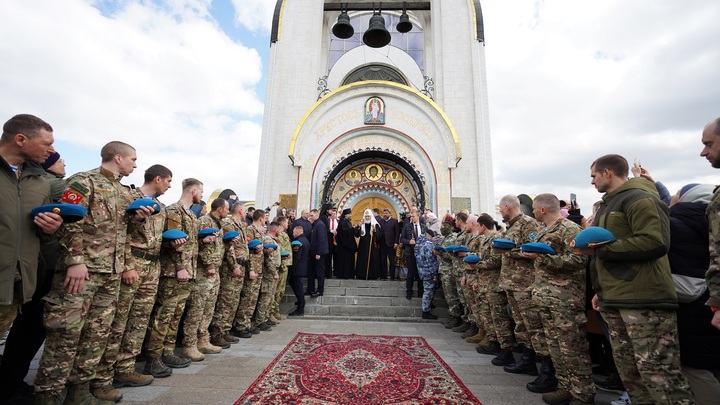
[(592, 237), (207, 232), (173, 234), (284, 253), (439, 248), (450, 248), (296, 243), (461, 249), (503, 244), (230, 235), (471, 259), (537, 247), (254, 243), (68, 212), (270, 246), (143, 202)]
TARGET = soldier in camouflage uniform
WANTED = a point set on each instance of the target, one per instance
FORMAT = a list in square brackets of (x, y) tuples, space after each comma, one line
[(253, 276), (471, 286), (201, 304), (711, 152), (458, 269), (559, 295), (516, 276), (286, 262), (178, 263), (446, 278), (137, 293), (81, 304), (232, 275), (634, 287), (270, 277)]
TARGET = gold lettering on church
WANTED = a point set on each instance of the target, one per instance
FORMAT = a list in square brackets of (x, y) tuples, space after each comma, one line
[(336, 121), (414, 122)]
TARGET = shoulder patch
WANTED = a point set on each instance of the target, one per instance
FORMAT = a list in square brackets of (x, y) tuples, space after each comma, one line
[(79, 188), (532, 235), (72, 197)]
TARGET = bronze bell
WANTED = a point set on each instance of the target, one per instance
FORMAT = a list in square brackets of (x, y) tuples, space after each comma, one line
[(404, 25), (342, 28), (376, 35)]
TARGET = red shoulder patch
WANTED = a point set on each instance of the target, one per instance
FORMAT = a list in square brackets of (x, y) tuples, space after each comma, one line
[(72, 197)]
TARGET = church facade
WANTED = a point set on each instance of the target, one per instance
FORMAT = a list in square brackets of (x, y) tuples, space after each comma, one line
[(401, 125)]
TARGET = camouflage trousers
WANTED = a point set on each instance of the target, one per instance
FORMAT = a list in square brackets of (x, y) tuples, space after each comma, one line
[(279, 291), (265, 299), (200, 308), (428, 294), (9, 312), (78, 327), (528, 326), (472, 299), (500, 321), (457, 278), (647, 355), (132, 313), (568, 346), (227, 302), (169, 307), (451, 295), (248, 302)]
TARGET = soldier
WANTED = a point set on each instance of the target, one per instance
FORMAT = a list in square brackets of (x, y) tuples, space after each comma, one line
[(201, 303), (446, 278), (559, 295), (469, 282), (285, 263), (251, 285), (81, 304), (634, 288), (270, 277), (178, 262), (516, 276), (137, 293), (458, 268), (232, 275), (711, 151)]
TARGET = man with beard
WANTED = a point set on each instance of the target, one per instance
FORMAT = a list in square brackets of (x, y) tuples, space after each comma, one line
[(391, 230), (347, 246), (370, 233)]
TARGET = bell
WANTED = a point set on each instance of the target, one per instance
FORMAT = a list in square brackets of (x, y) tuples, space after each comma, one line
[(376, 35), (342, 28), (404, 25)]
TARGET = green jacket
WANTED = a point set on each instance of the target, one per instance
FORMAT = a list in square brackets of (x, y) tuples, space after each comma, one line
[(19, 241), (634, 272)]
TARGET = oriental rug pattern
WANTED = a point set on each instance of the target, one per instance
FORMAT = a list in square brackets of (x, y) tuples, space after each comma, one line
[(357, 370)]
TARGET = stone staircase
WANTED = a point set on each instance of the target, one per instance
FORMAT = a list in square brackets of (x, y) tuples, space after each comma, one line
[(365, 300)]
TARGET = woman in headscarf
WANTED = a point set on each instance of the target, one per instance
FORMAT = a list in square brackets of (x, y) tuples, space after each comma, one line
[(367, 266)]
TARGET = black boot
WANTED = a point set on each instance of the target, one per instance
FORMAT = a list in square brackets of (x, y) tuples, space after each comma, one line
[(504, 358), (453, 322), (471, 332), (526, 365), (464, 327), (546, 381)]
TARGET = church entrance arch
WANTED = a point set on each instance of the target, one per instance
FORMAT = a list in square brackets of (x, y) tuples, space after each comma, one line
[(371, 203)]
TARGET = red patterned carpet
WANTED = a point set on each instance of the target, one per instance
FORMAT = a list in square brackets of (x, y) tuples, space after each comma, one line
[(357, 370)]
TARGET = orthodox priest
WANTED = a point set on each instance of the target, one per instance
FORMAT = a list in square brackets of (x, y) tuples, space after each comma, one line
[(346, 247), (367, 265)]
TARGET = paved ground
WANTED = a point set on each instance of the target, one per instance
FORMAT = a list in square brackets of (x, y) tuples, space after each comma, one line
[(222, 378)]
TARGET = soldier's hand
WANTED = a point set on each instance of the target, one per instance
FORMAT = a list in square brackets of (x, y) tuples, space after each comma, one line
[(259, 248), (584, 251), (530, 255), (48, 222), (210, 271), (182, 276), (235, 240), (130, 277), (143, 212), (595, 303), (253, 275), (75, 278), (237, 272), (462, 281), (210, 238), (178, 242), (716, 320), (276, 277)]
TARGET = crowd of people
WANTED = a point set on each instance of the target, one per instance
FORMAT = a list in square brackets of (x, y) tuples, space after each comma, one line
[(130, 276)]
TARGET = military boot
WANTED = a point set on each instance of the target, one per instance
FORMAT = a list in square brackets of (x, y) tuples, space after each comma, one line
[(559, 397), (173, 361), (590, 401), (192, 353), (230, 338), (107, 393), (220, 342), (47, 398), (546, 381), (492, 348), (526, 365), (474, 330), (133, 379), (453, 322), (79, 394), (477, 338), (205, 347), (504, 358), (464, 327), (156, 368)]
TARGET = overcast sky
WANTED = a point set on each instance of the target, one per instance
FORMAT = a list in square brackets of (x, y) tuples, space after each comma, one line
[(184, 82)]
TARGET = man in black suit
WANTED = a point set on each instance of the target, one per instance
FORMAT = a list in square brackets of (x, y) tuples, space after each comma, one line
[(299, 269), (391, 230), (305, 223), (411, 231), (318, 251)]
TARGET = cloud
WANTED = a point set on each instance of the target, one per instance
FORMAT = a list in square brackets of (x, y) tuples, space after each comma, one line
[(255, 15), (163, 77)]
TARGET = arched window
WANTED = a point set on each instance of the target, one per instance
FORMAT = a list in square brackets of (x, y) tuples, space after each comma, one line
[(375, 72)]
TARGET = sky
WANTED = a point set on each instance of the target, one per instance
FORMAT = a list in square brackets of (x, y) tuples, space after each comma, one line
[(184, 81)]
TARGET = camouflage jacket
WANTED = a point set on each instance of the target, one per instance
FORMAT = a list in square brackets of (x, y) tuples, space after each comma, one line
[(272, 261), (560, 278), (235, 254), (256, 259), (458, 266), (184, 257), (98, 241), (713, 274), (285, 247), (210, 255), (144, 238), (489, 267), (445, 262), (516, 273)]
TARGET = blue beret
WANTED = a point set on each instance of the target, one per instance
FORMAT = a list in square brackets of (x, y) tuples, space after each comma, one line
[(284, 253), (471, 259), (593, 236), (460, 249), (143, 202), (503, 244), (537, 247), (254, 243), (450, 248), (270, 246), (207, 232), (230, 235), (173, 234), (296, 243), (440, 248), (68, 212)]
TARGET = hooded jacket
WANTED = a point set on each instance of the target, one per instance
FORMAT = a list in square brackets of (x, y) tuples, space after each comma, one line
[(633, 271)]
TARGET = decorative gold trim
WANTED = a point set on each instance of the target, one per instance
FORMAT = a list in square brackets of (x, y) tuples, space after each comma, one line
[(474, 17), (280, 18), (370, 83)]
